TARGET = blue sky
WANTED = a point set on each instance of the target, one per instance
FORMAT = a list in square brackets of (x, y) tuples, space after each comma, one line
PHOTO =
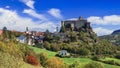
[(40, 15)]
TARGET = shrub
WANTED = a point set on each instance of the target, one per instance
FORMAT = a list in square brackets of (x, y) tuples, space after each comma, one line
[(54, 63), (96, 58), (9, 61), (75, 65), (112, 62), (84, 51), (94, 65), (118, 56), (31, 59), (43, 58)]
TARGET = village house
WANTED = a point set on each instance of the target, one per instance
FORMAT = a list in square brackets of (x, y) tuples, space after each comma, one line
[(63, 54), (21, 39), (1, 32), (30, 37)]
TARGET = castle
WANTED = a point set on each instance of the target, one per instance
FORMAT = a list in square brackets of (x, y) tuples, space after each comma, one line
[(75, 25)]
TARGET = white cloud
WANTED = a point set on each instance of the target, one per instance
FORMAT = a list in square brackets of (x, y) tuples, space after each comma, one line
[(102, 31), (106, 20), (13, 21), (29, 3), (34, 14), (73, 19), (7, 6), (55, 12)]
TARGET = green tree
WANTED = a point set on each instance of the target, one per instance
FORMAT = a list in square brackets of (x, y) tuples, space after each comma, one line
[(4, 29), (84, 52), (47, 45)]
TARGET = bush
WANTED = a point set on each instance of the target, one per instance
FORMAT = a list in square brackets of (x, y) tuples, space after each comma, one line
[(43, 58), (94, 65), (117, 56), (96, 58), (84, 52), (31, 59), (112, 62), (54, 63), (9, 61), (75, 65)]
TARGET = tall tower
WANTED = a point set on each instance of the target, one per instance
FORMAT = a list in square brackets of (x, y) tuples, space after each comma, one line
[(27, 29), (56, 29), (62, 27), (62, 23)]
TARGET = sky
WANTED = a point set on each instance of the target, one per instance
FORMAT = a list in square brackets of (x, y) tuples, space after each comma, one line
[(41, 15)]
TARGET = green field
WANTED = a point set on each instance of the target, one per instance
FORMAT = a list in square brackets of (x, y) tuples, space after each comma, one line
[(82, 61)]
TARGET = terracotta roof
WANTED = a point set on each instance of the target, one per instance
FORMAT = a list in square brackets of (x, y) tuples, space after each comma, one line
[(39, 33), (1, 32)]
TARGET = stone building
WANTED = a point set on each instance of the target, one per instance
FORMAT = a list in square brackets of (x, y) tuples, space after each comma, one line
[(29, 37), (75, 25)]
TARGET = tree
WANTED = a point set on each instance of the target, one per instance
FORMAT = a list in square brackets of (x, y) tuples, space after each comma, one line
[(47, 32), (48, 36), (31, 59), (5, 32), (47, 45), (84, 51), (4, 29)]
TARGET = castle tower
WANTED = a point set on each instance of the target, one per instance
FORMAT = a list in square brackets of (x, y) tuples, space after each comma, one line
[(62, 23)]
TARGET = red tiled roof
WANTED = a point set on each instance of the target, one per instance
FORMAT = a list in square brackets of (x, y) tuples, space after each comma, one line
[(1, 32), (39, 33)]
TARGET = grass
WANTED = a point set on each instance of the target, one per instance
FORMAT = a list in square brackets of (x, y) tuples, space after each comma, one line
[(26, 65), (38, 50), (83, 61)]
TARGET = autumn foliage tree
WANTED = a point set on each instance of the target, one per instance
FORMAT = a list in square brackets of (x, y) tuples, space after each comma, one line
[(31, 59)]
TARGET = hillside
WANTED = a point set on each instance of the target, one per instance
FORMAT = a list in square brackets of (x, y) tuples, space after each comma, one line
[(113, 38), (70, 61), (13, 55), (116, 31), (78, 38)]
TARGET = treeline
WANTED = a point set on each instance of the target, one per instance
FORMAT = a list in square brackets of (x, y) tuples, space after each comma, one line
[(9, 35)]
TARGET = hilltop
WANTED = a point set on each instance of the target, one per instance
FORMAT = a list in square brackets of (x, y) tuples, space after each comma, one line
[(113, 38), (116, 31), (77, 37)]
